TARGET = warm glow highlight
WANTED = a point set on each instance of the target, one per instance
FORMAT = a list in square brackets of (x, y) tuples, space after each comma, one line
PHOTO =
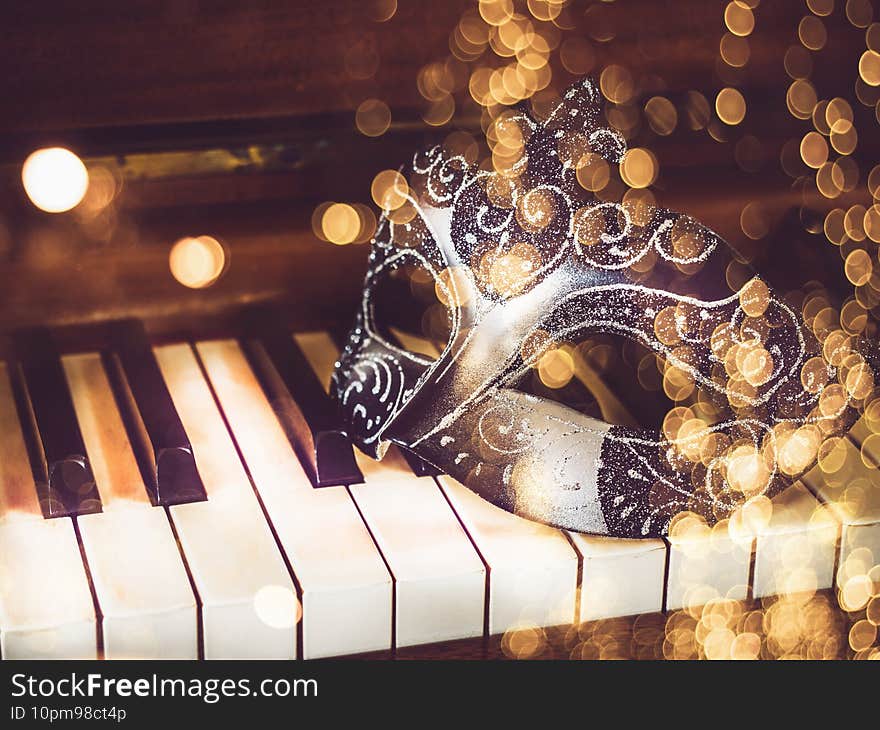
[(197, 262), (54, 179)]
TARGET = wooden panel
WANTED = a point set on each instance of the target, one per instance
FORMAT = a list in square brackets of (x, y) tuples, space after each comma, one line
[(97, 63)]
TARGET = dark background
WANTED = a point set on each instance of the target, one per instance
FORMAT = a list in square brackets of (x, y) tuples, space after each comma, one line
[(112, 79)]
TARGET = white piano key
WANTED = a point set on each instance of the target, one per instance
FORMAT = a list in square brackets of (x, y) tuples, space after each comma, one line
[(795, 550), (249, 603), (145, 597), (440, 581), (851, 489), (532, 567), (46, 607), (346, 588), (620, 577), (707, 564)]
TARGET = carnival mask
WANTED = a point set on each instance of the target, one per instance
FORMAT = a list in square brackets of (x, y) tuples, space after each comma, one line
[(524, 258)]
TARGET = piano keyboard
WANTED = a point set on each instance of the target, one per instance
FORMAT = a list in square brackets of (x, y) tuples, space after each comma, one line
[(185, 501)]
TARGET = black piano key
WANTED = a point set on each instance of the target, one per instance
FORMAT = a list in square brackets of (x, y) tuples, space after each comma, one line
[(59, 460), (158, 438), (310, 418)]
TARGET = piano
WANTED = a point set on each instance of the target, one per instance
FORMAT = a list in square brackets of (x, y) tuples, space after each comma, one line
[(174, 479)]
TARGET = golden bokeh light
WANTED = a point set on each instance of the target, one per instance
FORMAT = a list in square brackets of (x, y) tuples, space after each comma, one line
[(862, 635), (616, 83), (871, 223), (859, 12), (845, 174), (439, 112), (801, 99), (593, 172), (872, 37), (523, 642), (373, 117), (874, 182), (812, 33), (735, 50), (546, 10), (698, 111), (55, 179), (197, 262), (844, 137), (814, 150), (858, 267), (869, 67), (340, 224), (368, 223), (837, 109), (853, 317), (535, 210), (730, 106), (814, 375), (454, 286), (738, 18), (507, 273), (389, 190), (854, 221), (556, 368), (638, 169), (496, 12), (661, 114), (754, 298), (829, 182), (757, 366)]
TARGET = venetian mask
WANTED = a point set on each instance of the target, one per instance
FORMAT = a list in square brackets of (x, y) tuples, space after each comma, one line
[(524, 258)]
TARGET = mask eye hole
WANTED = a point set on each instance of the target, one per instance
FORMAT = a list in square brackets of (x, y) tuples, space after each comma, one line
[(408, 312), (605, 376)]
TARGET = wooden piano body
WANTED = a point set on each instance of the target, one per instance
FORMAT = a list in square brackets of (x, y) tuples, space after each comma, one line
[(269, 566)]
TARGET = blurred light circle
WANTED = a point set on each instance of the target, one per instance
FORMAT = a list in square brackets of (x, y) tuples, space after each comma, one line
[(730, 106), (54, 179), (869, 67), (739, 19), (197, 262), (638, 168), (341, 224), (373, 117), (661, 115), (277, 606)]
